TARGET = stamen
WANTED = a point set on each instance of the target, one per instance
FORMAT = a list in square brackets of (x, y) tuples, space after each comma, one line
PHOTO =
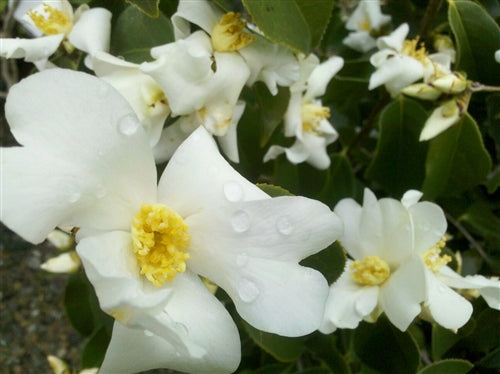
[(228, 34), (433, 258), (371, 271), (312, 115), (53, 22)]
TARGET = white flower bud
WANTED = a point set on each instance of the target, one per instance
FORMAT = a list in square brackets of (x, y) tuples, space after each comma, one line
[(422, 91)]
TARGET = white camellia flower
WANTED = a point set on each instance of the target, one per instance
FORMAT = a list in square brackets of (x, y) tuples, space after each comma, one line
[(139, 89), (86, 29), (366, 19), (144, 244), (497, 56), (268, 62), (306, 118), (194, 87), (397, 267)]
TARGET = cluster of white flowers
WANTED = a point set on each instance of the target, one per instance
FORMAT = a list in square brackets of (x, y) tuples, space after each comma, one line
[(146, 244)]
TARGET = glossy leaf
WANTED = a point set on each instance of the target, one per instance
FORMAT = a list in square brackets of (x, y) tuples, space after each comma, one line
[(447, 367), (95, 349), (134, 34), (444, 339), (330, 262), (274, 191), (148, 7), (339, 182), (399, 162), (456, 160), (483, 220), (471, 24)]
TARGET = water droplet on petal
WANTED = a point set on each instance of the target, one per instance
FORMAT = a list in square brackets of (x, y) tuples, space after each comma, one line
[(240, 221), (284, 226), (248, 291), (148, 333), (233, 191), (242, 259), (101, 191), (74, 197), (182, 327), (128, 125)]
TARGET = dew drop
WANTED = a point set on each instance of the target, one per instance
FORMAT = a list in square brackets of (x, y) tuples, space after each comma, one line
[(284, 226), (242, 260), (240, 221), (248, 291), (128, 125), (233, 191), (74, 197), (148, 333)]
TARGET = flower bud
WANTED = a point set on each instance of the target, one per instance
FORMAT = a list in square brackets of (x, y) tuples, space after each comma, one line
[(422, 91), (451, 83), (67, 262), (441, 118), (58, 365)]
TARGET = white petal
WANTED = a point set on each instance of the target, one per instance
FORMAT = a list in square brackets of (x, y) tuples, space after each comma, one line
[(348, 303), (191, 183), (411, 197), (367, 10), (497, 56), (321, 76), (83, 164), (92, 31), (293, 115), (395, 40), (360, 41), (273, 152), (446, 307), (30, 49), (251, 250), (66, 262), (429, 225), (200, 12), (349, 211), (229, 141), (439, 121), (206, 324), (402, 293), (22, 8), (171, 138)]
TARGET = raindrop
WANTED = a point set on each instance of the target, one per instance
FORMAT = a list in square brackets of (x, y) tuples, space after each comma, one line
[(240, 221), (284, 226), (101, 191), (248, 291), (148, 333), (74, 197), (128, 125), (242, 260), (233, 191)]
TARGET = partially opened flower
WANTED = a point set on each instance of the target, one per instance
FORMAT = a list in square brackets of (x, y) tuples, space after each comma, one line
[(397, 266), (86, 29), (143, 245), (306, 118), (367, 19)]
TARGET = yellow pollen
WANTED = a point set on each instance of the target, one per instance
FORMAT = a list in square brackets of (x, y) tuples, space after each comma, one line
[(411, 48), (433, 258), (54, 22), (160, 238), (365, 24), (228, 34), (312, 115), (371, 271)]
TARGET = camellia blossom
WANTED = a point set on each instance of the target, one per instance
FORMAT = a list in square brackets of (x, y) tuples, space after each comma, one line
[(306, 118), (398, 268), (366, 20), (145, 243), (86, 29)]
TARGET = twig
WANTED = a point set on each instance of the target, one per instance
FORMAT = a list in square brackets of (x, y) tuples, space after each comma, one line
[(429, 16)]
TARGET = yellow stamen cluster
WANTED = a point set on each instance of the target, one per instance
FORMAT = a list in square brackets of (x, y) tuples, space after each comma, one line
[(312, 115), (160, 238), (228, 34), (411, 48), (433, 258), (53, 22), (365, 24), (371, 271)]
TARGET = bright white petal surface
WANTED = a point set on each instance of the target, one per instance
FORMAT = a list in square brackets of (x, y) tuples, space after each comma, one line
[(497, 56), (348, 303), (367, 14), (76, 167), (171, 138), (200, 12), (229, 141), (252, 249), (429, 225), (360, 41), (30, 49), (321, 76), (92, 31), (404, 291), (438, 122), (395, 40), (206, 324), (446, 307), (179, 186)]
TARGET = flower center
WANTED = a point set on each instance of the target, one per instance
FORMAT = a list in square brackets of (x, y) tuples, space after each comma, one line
[(228, 35), (312, 115), (411, 48), (371, 271), (160, 239), (51, 21), (364, 24), (433, 258)]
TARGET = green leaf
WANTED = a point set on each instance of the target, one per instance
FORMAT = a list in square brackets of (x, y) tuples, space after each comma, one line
[(454, 366), (339, 182), (444, 339), (135, 34), (273, 191), (78, 299), (95, 349), (282, 348), (456, 160), (272, 109), (330, 262), (269, 369), (286, 174), (486, 335), (148, 7), (493, 180), (470, 24), (399, 162), (383, 347), (480, 216), (491, 360), (294, 23), (324, 349)]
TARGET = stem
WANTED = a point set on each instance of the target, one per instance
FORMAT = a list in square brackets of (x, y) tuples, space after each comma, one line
[(477, 87), (429, 16)]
